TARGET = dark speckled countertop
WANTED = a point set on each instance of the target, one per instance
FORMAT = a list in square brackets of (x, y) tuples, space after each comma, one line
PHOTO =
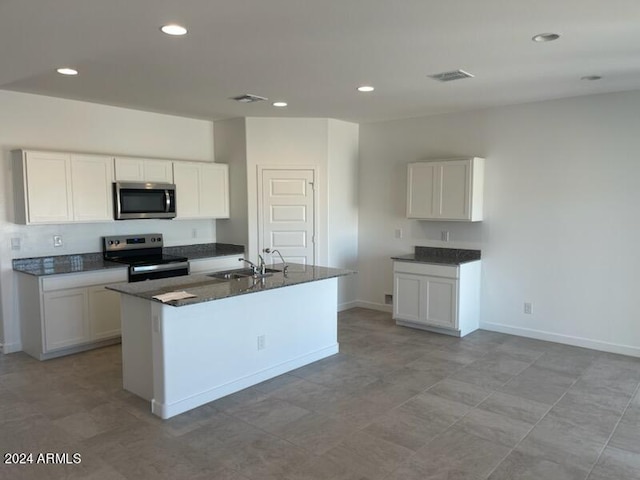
[(86, 262), (440, 256), (208, 289)]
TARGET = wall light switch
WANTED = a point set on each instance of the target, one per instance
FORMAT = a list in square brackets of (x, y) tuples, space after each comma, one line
[(444, 235), (398, 233), (57, 240), (15, 243), (527, 308)]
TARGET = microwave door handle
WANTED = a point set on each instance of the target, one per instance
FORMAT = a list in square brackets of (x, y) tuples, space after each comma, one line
[(167, 201)]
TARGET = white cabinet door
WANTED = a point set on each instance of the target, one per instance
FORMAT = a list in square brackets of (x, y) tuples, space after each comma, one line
[(143, 170), (455, 189), (214, 190), (202, 190), (159, 171), (129, 170), (48, 187), (407, 297), (421, 190), (91, 185), (187, 179), (440, 295), (65, 318), (104, 313), (446, 190)]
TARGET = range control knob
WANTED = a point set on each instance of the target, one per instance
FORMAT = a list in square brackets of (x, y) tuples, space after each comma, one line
[(153, 239), (159, 239)]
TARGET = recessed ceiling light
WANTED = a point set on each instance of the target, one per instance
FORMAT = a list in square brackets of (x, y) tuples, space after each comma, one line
[(174, 29), (366, 88), (591, 77), (545, 37), (67, 71), (279, 104)]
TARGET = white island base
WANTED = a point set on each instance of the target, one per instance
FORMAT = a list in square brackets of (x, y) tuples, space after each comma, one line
[(182, 357)]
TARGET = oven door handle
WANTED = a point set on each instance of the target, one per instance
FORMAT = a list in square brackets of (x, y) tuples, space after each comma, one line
[(158, 268)]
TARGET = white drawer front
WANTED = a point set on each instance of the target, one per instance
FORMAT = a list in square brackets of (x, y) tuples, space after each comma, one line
[(446, 271)]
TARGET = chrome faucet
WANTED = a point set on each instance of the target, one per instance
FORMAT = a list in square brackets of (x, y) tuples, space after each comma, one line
[(268, 250), (256, 269)]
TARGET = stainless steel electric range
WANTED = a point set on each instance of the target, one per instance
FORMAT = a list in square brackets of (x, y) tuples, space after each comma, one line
[(143, 254)]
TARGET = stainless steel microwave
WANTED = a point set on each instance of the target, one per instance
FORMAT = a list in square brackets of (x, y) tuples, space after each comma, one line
[(144, 200)]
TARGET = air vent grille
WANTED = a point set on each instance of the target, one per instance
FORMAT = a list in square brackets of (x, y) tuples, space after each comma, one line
[(248, 98), (450, 76)]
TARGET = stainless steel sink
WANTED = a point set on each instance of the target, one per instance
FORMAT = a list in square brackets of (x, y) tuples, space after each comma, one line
[(242, 273)]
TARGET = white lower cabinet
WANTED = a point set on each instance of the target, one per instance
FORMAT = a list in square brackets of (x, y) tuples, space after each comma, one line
[(104, 313), (441, 298), (66, 318), (63, 314)]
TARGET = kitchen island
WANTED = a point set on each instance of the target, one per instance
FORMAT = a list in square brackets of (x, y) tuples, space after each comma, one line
[(233, 333)]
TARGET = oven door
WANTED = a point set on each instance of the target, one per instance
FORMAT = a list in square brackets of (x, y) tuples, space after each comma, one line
[(139, 273), (144, 200)]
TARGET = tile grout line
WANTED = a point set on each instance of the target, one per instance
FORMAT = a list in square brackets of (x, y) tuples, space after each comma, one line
[(532, 427), (604, 447), (471, 408)]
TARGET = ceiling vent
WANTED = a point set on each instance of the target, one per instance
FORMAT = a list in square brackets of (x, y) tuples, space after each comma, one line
[(450, 76), (248, 98)]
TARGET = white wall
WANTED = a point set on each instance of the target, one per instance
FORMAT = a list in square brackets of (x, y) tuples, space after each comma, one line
[(561, 201), (330, 146), (286, 141), (342, 178), (231, 148), (39, 122)]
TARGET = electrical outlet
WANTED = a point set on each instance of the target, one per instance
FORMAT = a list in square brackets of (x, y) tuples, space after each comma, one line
[(398, 233), (527, 308), (444, 235), (57, 240), (194, 233), (15, 243), (388, 299), (262, 342)]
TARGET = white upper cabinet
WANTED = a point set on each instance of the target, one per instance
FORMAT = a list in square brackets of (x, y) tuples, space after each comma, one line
[(202, 189), (143, 170), (91, 180), (446, 190), (52, 187), (42, 187)]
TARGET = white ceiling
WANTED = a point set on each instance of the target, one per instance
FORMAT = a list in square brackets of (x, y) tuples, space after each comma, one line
[(314, 53)]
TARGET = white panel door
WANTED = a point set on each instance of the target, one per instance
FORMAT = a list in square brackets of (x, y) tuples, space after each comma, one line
[(159, 171), (129, 170), (287, 214), (187, 180)]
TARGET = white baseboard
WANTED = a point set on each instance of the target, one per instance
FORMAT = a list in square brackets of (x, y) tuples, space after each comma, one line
[(169, 410), (381, 307), (347, 305), (11, 347), (566, 339)]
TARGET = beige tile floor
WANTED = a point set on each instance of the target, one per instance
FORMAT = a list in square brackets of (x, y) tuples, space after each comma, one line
[(395, 403)]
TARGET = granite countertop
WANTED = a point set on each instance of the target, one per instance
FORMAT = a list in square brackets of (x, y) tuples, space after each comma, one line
[(440, 256), (86, 262), (208, 289), (60, 264), (205, 250)]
